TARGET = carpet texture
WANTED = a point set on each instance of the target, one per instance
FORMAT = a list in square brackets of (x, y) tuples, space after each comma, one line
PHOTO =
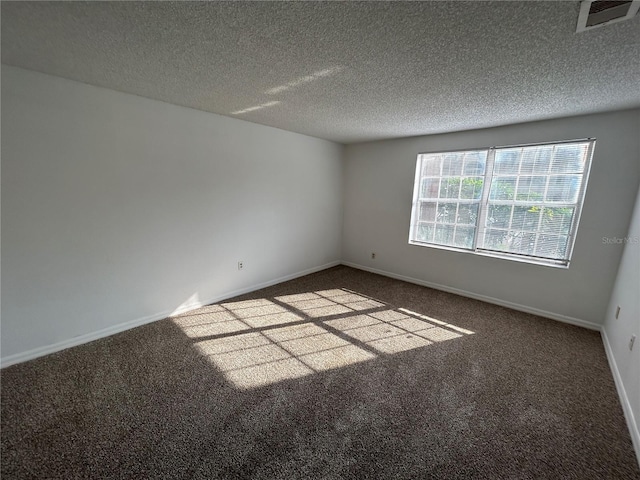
[(337, 375)]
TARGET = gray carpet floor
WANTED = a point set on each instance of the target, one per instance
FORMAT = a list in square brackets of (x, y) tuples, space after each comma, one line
[(337, 375)]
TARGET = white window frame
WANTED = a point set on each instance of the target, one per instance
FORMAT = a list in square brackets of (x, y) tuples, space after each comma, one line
[(484, 206)]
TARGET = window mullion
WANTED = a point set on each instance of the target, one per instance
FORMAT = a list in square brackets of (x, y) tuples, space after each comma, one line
[(483, 206)]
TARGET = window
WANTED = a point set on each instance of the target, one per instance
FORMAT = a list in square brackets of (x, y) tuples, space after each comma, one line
[(521, 202)]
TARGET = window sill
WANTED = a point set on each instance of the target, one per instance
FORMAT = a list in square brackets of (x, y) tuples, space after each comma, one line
[(501, 256)]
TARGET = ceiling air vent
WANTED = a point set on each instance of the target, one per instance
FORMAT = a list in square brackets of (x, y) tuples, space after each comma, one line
[(597, 13)]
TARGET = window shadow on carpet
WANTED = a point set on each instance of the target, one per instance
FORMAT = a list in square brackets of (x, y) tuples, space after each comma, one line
[(262, 341)]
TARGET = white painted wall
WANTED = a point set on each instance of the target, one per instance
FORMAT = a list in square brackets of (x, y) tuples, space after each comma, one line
[(117, 208), (617, 332), (378, 194)]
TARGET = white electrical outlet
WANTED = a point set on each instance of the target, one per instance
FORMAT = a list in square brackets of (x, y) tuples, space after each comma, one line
[(632, 341), (240, 265), (373, 255), (618, 311)]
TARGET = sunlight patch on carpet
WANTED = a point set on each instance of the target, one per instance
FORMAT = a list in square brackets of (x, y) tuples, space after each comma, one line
[(263, 341)]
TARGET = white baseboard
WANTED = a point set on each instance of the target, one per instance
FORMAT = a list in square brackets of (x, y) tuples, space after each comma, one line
[(622, 394), (121, 327), (484, 298)]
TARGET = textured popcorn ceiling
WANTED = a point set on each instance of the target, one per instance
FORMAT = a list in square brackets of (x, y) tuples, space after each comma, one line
[(347, 72)]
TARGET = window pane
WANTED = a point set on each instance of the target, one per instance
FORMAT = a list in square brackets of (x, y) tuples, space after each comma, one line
[(531, 188), (569, 158), (467, 213), (496, 240), (510, 241), (471, 188), (536, 205), (499, 216), (446, 213), (428, 212), (536, 159), (452, 164), (503, 188), (552, 246), (431, 165), (474, 163), (464, 237), (444, 234), (444, 179), (424, 232), (557, 220), (563, 188), (526, 218), (430, 188), (521, 242), (507, 161), (450, 187)]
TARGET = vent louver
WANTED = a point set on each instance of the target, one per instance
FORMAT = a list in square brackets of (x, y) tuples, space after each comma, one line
[(597, 13)]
